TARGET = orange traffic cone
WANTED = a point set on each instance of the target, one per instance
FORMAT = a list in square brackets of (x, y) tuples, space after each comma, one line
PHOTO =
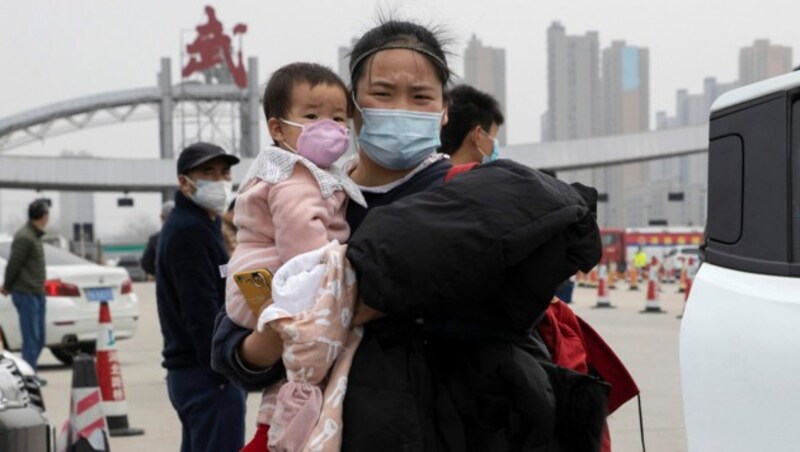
[(86, 429), (109, 374), (686, 295), (633, 278), (612, 275), (652, 303), (682, 278), (602, 290)]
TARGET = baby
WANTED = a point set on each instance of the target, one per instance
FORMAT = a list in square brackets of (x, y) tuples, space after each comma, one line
[(291, 210)]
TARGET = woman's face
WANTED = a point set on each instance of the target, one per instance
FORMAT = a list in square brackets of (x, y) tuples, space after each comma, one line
[(399, 79)]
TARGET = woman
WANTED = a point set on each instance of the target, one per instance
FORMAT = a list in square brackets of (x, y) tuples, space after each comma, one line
[(395, 67), (401, 394)]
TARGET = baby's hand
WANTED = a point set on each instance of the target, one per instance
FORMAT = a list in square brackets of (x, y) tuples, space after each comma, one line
[(364, 314)]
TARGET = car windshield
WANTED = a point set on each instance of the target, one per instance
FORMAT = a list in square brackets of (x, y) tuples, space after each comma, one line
[(52, 255)]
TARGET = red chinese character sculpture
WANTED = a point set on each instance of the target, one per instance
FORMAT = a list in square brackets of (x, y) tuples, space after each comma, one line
[(212, 47)]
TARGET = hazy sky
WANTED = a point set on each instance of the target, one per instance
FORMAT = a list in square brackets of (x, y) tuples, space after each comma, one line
[(57, 50)]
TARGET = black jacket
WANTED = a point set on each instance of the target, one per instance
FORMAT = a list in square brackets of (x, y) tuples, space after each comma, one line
[(190, 290), (477, 260)]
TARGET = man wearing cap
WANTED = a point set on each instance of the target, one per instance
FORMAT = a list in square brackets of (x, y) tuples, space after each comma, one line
[(190, 290), (24, 280)]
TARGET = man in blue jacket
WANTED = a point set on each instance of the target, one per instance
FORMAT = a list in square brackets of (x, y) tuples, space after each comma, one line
[(190, 291)]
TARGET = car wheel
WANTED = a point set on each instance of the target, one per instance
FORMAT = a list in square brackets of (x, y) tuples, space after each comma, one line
[(66, 354)]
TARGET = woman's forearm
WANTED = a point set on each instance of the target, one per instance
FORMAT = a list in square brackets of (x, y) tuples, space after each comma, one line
[(260, 350)]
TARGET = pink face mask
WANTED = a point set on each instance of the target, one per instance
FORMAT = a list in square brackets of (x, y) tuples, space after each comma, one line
[(322, 142)]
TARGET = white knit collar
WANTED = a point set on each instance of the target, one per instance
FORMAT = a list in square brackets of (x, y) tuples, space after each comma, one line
[(273, 165)]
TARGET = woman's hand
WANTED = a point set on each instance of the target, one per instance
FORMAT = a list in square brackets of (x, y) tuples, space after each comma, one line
[(261, 349), (364, 314)]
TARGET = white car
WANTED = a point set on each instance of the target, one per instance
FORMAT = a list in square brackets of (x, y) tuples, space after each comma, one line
[(677, 257), (73, 290), (740, 332)]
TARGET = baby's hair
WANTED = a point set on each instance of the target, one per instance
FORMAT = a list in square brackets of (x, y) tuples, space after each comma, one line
[(278, 94)]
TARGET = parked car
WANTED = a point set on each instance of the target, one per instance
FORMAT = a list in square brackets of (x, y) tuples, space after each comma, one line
[(23, 424), (133, 266), (677, 257), (739, 334), (73, 290)]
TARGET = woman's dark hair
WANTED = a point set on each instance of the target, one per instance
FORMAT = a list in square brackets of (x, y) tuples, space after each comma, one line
[(278, 94), (399, 34), (468, 108)]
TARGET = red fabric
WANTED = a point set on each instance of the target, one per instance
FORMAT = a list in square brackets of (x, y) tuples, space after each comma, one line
[(259, 441), (575, 345), (458, 169), (609, 366)]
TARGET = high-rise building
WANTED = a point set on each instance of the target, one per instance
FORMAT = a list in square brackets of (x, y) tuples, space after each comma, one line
[(626, 89), (693, 109), (584, 103), (573, 86), (485, 69), (763, 60)]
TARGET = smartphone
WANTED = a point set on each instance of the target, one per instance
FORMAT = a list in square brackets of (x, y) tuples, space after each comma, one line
[(256, 286)]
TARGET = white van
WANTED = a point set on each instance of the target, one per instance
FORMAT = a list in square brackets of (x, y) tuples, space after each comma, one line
[(740, 334)]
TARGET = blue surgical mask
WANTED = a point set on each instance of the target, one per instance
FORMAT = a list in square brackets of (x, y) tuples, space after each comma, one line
[(399, 139), (495, 154)]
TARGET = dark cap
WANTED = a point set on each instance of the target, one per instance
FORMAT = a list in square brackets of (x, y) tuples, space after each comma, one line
[(198, 153)]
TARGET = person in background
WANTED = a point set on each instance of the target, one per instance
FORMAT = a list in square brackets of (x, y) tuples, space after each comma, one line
[(190, 291), (640, 261), (470, 136), (148, 261), (24, 280)]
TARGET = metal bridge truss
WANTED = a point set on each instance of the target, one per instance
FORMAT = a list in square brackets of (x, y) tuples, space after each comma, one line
[(210, 112)]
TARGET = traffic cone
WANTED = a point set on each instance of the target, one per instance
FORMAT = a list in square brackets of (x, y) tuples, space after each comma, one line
[(86, 429), (687, 291), (109, 374), (602, 290), (612, 275), (633, 278), (652, 303), (682, 278)]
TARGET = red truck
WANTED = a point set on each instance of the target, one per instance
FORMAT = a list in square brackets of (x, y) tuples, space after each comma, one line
[(661, 242)]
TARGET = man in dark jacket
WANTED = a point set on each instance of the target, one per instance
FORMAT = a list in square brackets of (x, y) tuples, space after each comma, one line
[(24, 280), (190, 290)]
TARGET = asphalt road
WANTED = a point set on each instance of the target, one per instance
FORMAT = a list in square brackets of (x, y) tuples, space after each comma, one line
[(646, 343)]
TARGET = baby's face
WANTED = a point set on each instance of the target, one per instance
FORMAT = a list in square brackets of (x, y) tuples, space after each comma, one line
[(311, 104)]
